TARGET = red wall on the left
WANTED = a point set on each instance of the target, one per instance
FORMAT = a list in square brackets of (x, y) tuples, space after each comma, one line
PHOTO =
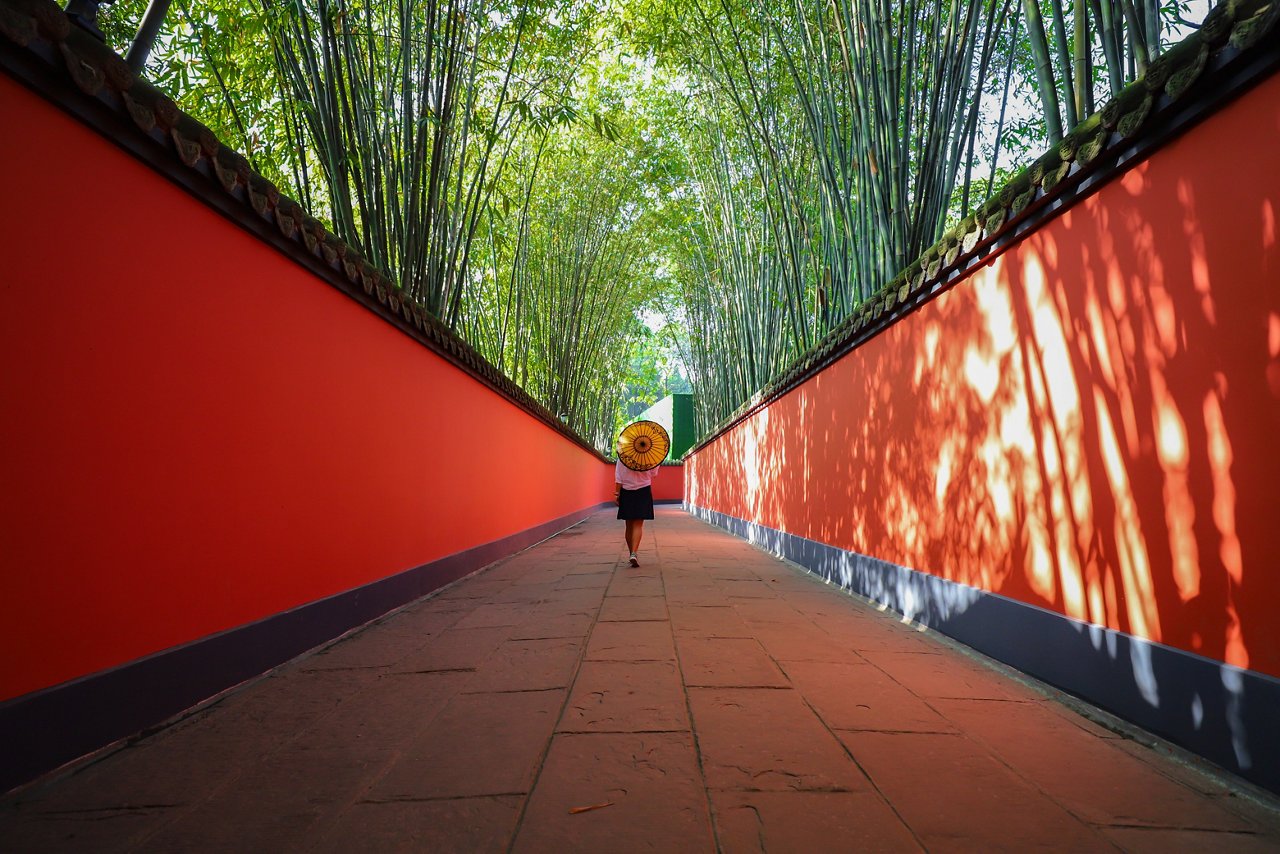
[(198, 433)]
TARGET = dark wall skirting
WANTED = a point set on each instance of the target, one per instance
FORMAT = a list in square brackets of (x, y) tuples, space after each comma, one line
[(1225, 714), (46, 729)]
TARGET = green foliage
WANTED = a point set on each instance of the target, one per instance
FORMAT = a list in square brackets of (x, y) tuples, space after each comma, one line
[(547, 174), (210, 59)]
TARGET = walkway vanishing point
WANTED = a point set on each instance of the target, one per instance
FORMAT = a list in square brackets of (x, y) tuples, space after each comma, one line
[(714, 699)]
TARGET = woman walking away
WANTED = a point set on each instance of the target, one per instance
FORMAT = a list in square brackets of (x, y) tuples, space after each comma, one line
[(634, 497)]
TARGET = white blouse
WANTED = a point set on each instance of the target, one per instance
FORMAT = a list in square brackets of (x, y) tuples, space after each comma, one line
[(633, 479)]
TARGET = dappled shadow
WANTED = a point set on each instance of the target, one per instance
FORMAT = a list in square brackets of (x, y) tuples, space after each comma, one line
[(1087, 424)]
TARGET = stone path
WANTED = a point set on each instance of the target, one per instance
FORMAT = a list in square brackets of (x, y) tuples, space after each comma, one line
[(714, 699)]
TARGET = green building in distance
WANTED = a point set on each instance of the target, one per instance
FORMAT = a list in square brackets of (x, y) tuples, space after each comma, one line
[(674, 412)]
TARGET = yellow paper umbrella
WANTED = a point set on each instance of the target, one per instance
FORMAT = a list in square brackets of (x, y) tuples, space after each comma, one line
[(643, 445)]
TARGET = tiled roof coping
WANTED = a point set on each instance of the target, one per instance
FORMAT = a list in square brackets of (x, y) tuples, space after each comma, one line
[(40, 48), (1235, 48)]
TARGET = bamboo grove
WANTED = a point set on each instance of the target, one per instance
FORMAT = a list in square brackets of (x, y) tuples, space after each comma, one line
[(555, 178), (835, 140)]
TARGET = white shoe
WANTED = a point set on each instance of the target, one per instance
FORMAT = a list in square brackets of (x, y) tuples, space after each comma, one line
[(634, 561)]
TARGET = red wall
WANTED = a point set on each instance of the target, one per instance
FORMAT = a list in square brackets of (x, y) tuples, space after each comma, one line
[(1089, 423), (669, 484), (198, 434)]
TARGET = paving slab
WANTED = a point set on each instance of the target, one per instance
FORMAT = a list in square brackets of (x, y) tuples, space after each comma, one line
[(570, 624), (643, 641), (529, 593), (480, 744), (281, 705), (491, 614), (712, 700), (270, 803), (474, 589), (933, 674), (745, 744), (626, 696), (455, 824), (728, 663), (769, 611), (863, 697), (155, 774), (618, 792), (534, 664), (708, 621), (584, 581), (803, 642), (681, 596), (631, 583), (406, 703), (753, 588), (955, 796), (870, 631), (108, 831), (761, 822), (455, 649), (380, 646), (573, 600), (631, 609), (1107, 786)]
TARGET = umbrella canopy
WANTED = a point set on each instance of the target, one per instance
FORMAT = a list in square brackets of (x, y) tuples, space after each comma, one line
[(643, 445)]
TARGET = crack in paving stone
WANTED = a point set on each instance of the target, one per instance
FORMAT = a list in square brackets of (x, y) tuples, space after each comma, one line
[(514, 691), (1016, 701), (429, 799), (901, 731), (1174, 827), (781, 771), (740, 687), (438, 670), (732, 767), (829, 790), (759, 826), (620, 731), (99, 813), (648, 765)]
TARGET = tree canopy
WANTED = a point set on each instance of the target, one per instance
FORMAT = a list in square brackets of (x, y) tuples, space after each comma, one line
[(612, 199)]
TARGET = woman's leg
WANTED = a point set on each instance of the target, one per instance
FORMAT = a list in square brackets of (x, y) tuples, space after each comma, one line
[(633, 538)]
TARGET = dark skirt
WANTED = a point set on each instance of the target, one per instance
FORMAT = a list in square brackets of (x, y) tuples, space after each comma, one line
[(635, 503)]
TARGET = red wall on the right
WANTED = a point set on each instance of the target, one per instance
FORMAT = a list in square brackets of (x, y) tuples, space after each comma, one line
[(1088, 423)]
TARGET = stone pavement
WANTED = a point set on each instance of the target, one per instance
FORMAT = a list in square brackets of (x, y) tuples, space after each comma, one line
[(714, 699)]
